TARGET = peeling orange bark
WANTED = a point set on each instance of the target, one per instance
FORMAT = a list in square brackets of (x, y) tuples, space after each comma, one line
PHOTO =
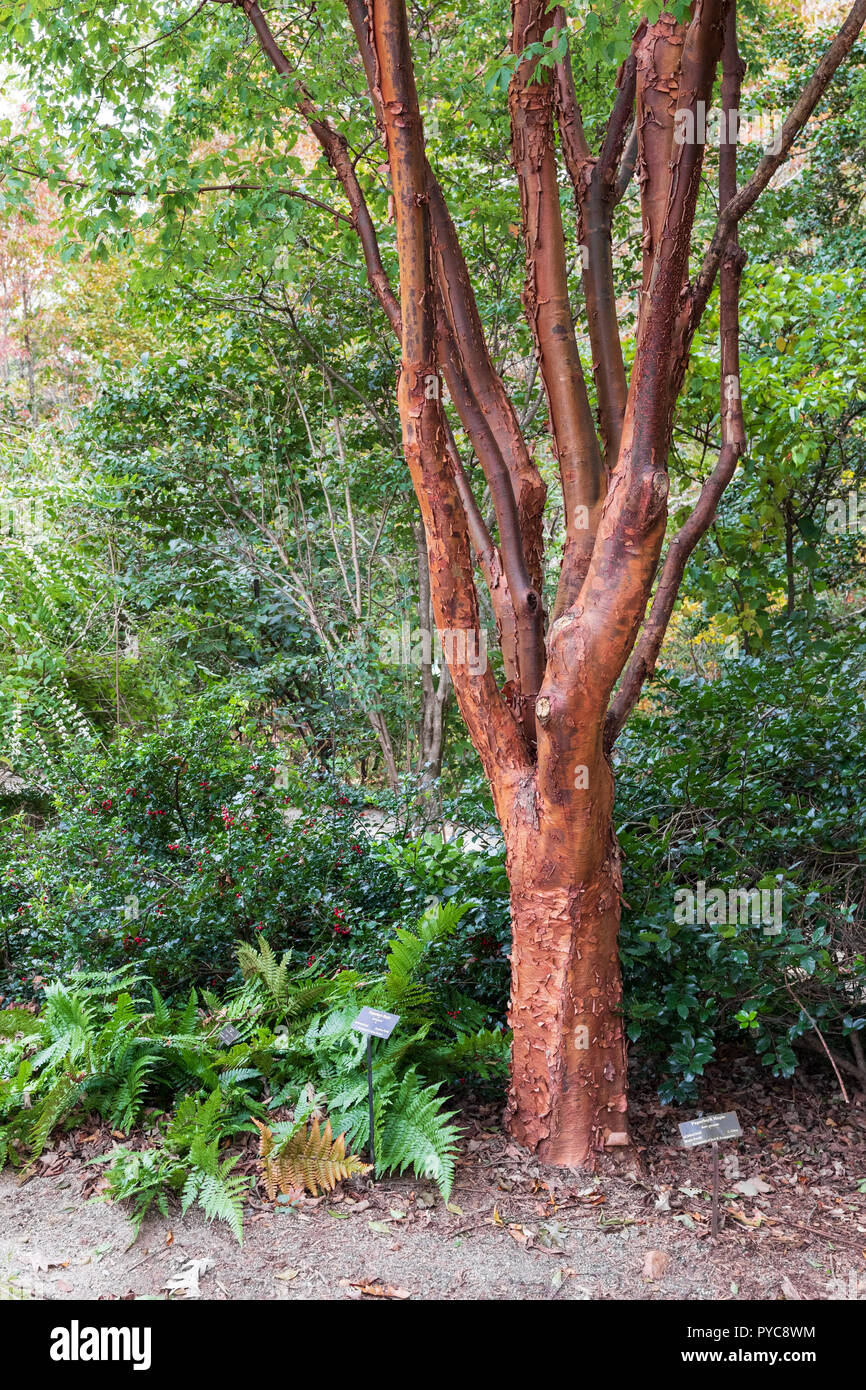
[(568, 1096)]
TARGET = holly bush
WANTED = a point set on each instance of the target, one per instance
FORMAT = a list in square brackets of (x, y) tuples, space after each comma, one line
[(168, 847)]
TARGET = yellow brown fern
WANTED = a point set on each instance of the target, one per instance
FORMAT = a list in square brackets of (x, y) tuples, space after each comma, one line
[(310, 1158)]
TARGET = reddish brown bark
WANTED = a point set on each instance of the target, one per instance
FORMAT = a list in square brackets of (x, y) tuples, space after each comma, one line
[(544, 738), (567, 1100), (597, 189), (645, 654), (546, 301), (659, 58)]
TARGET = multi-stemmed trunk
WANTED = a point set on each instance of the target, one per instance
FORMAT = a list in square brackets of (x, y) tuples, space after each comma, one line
[(545, 735)]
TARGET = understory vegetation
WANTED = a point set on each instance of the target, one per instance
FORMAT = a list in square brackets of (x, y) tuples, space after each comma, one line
[(277, 1052), (161, 853)]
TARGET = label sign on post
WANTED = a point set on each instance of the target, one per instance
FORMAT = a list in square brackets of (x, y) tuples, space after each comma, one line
[(710, 1129), (376, 1023), (228, 1035)]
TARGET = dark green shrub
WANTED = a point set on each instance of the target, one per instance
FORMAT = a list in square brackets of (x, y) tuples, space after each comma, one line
[(752, 780), (168, 847)]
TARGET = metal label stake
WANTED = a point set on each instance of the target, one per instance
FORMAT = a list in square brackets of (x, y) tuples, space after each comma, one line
[(370, 1102), (376, 1023), (709, 1129)]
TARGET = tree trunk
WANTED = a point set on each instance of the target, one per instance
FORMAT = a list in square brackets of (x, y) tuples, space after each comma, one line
[(567, 1100)]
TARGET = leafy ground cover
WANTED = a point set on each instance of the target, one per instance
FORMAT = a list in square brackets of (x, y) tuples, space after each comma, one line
[(279, 1056)]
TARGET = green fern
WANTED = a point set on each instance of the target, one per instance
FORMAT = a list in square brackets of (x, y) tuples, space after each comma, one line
[(135, 1072), (161, 1012), (485, 1052), (417, 1134), (68, 1020), (232, 1076), (348, 1103), (219, 1191), (186, 1022), (263, 965), (408, 948), (17, 1022), (193, 1120), (141, 1179), (96, 1046), (58, 1102)]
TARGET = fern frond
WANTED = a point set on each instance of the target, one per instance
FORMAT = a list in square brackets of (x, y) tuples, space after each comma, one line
[(69, 1021), (221, 1197), (232, 1075), (262, 964), (417, 1134), (55, 1106), (407, 949), (130, 1094), (485, 1052), (193, 1120), (309, 1158), (161, 1012), (187, 1020)]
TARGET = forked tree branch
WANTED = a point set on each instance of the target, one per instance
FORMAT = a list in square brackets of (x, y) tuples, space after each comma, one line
[(488, 417), (487, 414), (335, 148), (607, 574), (597, 634), (494, 730)]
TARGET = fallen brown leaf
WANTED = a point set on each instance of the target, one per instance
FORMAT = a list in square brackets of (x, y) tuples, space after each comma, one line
[(376, 1289), (655, 1264)]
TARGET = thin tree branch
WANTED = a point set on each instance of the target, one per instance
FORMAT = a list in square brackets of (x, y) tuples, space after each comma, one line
[(546, 299), (336, 151), (594, 183), (748, 195)]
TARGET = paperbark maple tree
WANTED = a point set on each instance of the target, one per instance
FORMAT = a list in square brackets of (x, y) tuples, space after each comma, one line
[(574, 674)]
